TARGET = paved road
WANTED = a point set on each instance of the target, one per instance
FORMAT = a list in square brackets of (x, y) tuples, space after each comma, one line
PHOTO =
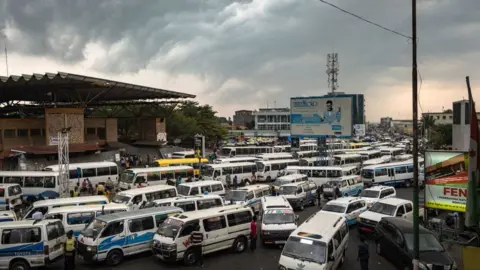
[(264, 258)]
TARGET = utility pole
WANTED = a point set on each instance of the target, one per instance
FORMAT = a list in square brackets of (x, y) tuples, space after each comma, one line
[(416, 249), (332, 71), (63, 161)]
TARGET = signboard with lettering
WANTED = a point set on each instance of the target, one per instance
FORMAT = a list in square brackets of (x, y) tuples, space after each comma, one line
[(446, 180)]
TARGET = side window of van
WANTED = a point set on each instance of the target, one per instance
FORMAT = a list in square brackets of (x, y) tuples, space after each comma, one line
[(55, 230), (258, 193), (113, 229), (299, 190), (21, 236), (194, 191), (383, 194), (159, 219), (330, 249), (137, 199), (186, 206), (249, 196), (214, 223), (344, 230), (337, 239), (188, 228), (208, 203), (80, 218), (206, 188), (217, 187), (141, 224), (55, 216), (239, 218)]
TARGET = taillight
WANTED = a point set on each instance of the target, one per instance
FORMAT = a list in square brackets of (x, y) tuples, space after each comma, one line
[(46, 250)]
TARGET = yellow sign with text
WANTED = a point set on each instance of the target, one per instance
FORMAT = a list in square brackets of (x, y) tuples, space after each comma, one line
[(446, 206)]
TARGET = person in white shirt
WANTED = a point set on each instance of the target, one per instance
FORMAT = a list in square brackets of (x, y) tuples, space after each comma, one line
[(37, 215)]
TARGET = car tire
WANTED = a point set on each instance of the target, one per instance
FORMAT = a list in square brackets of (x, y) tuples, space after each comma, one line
[(114, 257), (19, 265), (190, 257), (240, 245), (408, 183)]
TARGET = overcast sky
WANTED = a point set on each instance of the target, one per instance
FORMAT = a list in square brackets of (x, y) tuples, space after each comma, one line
[(244, 54)]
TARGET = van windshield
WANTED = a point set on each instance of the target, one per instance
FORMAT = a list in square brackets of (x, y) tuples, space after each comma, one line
[(238, 195), (93, 228), (288, 190), (383, 208), (280, 182), (121, 199), (183, 190), (305, 250), (14, 190), (279, 218), (368, 174), (207, 171), (170, 228), (127, 177), (335, 208), (369, 193)]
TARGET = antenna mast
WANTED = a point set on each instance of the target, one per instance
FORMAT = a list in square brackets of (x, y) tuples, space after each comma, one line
[(332, 71), (6, 57)]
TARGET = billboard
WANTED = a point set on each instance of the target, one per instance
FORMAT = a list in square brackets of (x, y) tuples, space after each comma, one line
[(446, 180), (321, 116)]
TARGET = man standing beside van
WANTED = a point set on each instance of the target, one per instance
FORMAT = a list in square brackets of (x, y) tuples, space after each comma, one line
[(196, 239), (69, 251), (363, 253)]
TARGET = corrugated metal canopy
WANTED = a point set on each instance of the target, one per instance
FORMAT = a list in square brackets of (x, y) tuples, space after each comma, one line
[(68, 88)]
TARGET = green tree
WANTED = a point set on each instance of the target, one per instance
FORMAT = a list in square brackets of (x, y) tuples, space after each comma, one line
[(427, 122), (442, 136)]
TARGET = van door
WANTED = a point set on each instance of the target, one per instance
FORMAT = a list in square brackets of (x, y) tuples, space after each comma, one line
[(55, 239), (391, 175), (140, 234), (112, 236), (216, 234)]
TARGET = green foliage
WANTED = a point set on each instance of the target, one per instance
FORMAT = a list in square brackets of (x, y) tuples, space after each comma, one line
[(183, 122), (441, 136)]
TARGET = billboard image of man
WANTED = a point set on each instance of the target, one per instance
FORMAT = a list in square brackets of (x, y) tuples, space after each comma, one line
[(330, 116)]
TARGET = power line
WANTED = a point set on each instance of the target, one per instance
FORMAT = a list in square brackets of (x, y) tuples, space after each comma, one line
[(365, 20)]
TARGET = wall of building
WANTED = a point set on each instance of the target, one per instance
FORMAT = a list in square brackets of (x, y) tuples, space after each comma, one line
[(243, 118), (150, 127), (59, 118), (440, 117)]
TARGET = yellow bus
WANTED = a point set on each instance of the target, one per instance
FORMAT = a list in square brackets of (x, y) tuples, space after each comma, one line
[(192, 162), (358, 145)]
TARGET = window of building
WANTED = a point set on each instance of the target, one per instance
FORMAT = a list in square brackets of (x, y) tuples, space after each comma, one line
[(467, 114), (22, 132), (101, 133), (444, 117), (35, 132), (91, 131), (457, 113), (9, 133)]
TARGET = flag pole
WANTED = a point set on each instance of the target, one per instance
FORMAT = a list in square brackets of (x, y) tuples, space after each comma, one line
[(471, 215)]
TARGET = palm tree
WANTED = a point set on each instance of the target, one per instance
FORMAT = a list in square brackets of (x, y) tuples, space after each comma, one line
[(427, 124)]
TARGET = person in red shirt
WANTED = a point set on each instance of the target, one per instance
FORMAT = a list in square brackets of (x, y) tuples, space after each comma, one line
[(253, 234)]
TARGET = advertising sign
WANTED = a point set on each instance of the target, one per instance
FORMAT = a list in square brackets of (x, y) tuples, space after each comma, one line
[(446, 176), (321, 116), (359, 130)]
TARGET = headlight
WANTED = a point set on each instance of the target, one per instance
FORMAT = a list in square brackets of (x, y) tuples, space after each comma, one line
[(155, 243), (281, 267), (92, 249), (170, 247)]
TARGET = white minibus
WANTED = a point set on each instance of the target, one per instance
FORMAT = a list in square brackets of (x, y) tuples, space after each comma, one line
[(76, 217), (235, 160), (270, 170), (111, 237), (316, 161), (191, 203), (141, 196), (10, 193), (389, 174), (319, 175), (377, 161), (392, 151), (33, 183), (225, 227), (44, 206), (282, 148), (96, 172), (347, 160), (201, 187), (141, 177), (371, 154), (183, 154), (245, 150), (30, 244), (219, 172), (308, 147), (274, 156), (250, 196)]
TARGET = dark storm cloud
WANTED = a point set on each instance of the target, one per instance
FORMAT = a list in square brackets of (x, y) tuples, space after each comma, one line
[(275, 44)]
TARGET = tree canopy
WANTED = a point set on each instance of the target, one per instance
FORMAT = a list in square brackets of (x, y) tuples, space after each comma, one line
[(439, 135), (182, 122)]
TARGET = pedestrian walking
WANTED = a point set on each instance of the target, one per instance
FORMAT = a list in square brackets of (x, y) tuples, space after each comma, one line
[(69, 251), (363, 253), (196, 240), (253, 234), (319, 195), (273, 191), (235, 182)]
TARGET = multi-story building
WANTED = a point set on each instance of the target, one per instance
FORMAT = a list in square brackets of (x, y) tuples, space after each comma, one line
[(441, 118), (277, 119), (461, 125), (386, 122), (403, 126), (243, 118)]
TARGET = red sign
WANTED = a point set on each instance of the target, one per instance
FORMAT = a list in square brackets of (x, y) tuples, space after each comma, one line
[(455, 192)]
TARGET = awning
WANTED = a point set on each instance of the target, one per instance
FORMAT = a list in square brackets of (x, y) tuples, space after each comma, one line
[(47, 150)]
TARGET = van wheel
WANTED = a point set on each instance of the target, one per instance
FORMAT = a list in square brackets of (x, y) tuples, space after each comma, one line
[(19, 265), (408, 183), (239, 245), (190, 257), (114, 257), (269, 178), (246, 182)]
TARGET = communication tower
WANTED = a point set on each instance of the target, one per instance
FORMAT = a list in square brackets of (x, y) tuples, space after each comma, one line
[(332, 71), (63, 161)]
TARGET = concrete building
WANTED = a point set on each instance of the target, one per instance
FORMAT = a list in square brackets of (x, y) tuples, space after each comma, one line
[(403, 126), (441, 118), (272, 119), (243, 118), (386, 122)]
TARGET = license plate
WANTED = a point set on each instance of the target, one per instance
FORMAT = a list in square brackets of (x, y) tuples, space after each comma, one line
[(280, 242)]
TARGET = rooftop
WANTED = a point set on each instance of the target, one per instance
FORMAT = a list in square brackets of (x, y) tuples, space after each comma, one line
[(67, 88)]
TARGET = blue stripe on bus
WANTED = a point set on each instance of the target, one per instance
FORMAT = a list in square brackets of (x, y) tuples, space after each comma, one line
[(22, 250)]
